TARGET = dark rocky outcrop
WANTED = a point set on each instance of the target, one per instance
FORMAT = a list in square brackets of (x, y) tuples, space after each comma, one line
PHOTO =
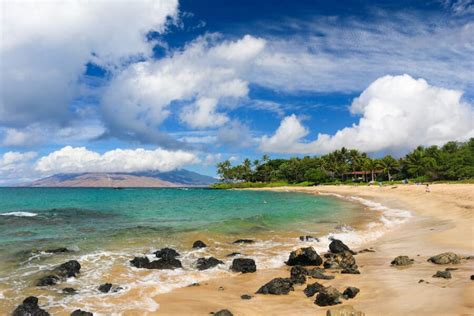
[(442, 274), (337, 246), (308, 238), (58, 250), (244, 265), (140, 262), (199, 244), (304, 257), (165, 262), (69, 290), (402, 261), (29, 307), (79, 312), (207, 263), (166, 253), (48, 280), (105, 288), (277, 286), (312, 289), (472, 277), (343, 260), (246, 297), (244, 241), (350, 292), (328, 296), (298, 274), (223, 312), (350, 270), (69, 269), (319, 274), (445, 258)]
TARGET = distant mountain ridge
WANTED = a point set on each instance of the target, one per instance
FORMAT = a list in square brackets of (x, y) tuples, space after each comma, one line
[(175, 178)]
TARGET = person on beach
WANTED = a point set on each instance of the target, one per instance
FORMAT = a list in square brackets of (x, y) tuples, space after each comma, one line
[(428, 188)]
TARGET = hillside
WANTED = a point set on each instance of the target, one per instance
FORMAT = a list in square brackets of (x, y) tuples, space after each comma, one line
[(176, 178)]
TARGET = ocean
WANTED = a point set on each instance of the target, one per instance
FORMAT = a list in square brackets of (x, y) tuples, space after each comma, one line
[(104, 228)]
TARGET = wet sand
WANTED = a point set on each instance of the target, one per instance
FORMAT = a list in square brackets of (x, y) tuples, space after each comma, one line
[(442, 221)]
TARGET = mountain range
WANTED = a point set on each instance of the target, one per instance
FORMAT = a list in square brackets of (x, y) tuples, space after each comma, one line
[(155, 179)]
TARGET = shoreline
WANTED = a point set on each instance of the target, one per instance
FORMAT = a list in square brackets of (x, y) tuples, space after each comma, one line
[(442, 221)]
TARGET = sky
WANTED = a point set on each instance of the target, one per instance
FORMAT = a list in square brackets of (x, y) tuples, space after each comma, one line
[(124, 86)]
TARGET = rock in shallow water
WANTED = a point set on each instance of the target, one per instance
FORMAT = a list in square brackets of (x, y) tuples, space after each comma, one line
[(207, 263), (30, 307), (445, 258), (304, 257), (69, 269), (79, 312), (163, 263), (277, 286), (244, 265), (48, 280), (442, 274), (402, 261), (199, 244), (337, 246), (312, 289), (69, 290), (166, 253), (308, 238), (244, 241), (105, 288), (328, 296)]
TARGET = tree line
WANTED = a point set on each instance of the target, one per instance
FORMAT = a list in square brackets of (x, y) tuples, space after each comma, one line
[(452, 161)]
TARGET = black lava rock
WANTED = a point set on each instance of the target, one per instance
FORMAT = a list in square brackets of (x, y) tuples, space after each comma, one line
[(308, 238), (328, 296), (244, 241), (277, 286), (312, 289), (402, 261), (246, 297), (30, 307), (79, 312), (69, 290), (233, 254), (223, 312), (140, 262), (442, 274), (298, 274), (48, 280), (207, 263), (319, 274), (337, 246), (166, 253), (199, 244), (304, 257), (69, 269), (165, 262), (57, 250), (105, 288), (350, 292), (244, 265)]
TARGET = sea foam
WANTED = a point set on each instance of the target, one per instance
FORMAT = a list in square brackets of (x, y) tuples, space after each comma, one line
[(19, 214)]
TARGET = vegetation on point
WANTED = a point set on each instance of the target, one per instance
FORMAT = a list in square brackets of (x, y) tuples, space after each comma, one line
[(453, 161)]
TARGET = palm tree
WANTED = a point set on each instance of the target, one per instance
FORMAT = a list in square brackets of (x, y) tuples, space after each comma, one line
[(370, 165), (388, 164)]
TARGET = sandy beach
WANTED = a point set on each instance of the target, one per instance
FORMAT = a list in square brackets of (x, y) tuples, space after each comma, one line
[(442, 221)]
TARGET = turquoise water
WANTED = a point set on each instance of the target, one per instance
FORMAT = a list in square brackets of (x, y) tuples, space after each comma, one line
[(106, 228), (70, 215)]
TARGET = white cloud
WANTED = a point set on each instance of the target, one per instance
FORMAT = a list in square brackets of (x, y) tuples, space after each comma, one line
[(203, 76), (235, 134), (79, 159), (15, 166), (397, 114), (336, 54), (46, 44)]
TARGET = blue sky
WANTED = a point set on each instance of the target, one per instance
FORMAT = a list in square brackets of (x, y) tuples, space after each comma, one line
[(165, 84)]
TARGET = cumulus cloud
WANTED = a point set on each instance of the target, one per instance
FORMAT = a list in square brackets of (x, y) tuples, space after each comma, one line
[(235, 134), (397, 114), (46, 45), (202, 77), (79, 159)]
